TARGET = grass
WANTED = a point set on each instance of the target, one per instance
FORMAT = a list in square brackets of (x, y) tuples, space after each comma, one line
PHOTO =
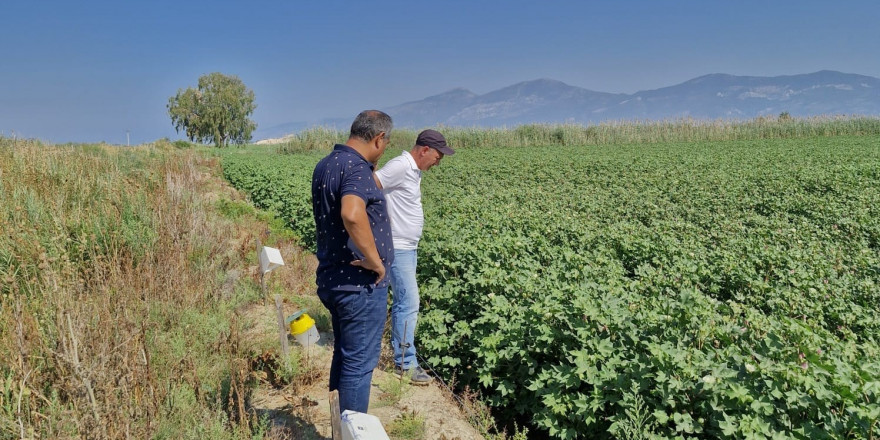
[(321, 139), (407, 426), (120, 289), (393, 390)]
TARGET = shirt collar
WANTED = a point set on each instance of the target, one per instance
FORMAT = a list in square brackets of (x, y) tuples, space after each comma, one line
[(347, 149), (412, 160)]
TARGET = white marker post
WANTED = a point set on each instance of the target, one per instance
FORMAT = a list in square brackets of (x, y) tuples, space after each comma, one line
[(270, 259)]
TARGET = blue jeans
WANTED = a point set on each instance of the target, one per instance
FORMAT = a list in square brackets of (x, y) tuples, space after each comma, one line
[(404, 308), (358, 320)]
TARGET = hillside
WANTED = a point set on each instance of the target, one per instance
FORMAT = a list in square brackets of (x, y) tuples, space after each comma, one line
[(707, 97)]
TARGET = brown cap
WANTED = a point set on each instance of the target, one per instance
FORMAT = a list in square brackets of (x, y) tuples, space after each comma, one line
[(435, 140)]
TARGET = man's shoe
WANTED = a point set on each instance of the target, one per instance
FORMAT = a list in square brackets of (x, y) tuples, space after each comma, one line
[(417, 375)]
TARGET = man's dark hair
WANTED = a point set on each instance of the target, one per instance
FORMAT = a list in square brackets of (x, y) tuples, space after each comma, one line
[(369, 123)]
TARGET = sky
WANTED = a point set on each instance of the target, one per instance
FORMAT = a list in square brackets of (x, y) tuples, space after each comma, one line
[(103, 71)]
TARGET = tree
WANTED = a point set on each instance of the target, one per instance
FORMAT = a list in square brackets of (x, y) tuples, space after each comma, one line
[(216, 112)]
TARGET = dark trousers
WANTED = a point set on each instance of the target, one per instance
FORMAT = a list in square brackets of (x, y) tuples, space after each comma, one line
[(358, 320)]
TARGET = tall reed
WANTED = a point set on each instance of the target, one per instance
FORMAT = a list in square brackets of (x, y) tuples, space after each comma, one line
[(612, 133), (113, 319)]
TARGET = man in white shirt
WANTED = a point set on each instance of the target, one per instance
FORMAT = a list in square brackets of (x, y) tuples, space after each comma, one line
[(400, 180)]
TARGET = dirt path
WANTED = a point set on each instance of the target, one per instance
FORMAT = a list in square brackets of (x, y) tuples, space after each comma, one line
[(302, 410)]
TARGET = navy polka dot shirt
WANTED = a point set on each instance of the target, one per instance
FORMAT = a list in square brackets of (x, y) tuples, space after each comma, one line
[(342, 172)]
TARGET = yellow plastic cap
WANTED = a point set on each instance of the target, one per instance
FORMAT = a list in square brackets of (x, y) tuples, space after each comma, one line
[(301, 324)]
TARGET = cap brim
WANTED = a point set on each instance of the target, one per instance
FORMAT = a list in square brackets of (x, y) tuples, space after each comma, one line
[(445, 150)]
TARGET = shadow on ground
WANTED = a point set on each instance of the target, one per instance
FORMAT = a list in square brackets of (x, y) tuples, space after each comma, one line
[(286, 425)]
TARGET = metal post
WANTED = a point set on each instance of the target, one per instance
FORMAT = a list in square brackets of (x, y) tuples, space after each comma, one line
[(403, 346)]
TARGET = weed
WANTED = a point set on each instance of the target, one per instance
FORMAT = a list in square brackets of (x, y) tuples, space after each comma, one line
[(482, 419), (407, 426), (289, 367), (639, 423), (234, 209), (393, 389)]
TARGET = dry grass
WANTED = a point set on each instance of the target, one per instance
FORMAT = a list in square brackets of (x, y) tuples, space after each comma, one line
[(119, 281)]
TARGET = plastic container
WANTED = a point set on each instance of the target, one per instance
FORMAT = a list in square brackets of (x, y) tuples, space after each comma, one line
[(303, 329), (359, 426), (270, 258)]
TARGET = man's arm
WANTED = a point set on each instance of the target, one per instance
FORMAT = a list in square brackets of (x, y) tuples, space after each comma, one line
[(357, 223), (390, 176), (378, 182)]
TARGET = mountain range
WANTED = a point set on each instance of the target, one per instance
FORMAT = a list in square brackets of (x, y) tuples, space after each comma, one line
[(715, 96)]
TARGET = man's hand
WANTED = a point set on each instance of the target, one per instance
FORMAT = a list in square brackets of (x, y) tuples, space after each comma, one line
[(356, 222), (378, 268)]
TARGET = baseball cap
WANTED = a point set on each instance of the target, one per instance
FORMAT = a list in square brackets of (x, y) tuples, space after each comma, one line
[(435, 140)]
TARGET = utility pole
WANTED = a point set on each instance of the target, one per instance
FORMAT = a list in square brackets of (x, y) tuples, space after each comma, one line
[(127, 143)]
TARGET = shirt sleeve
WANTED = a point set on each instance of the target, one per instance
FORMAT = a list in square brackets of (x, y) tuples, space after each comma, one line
[(391, 175), (357, 180)]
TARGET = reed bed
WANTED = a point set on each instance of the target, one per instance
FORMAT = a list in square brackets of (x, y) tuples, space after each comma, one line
[(115, 316), (611, 133)]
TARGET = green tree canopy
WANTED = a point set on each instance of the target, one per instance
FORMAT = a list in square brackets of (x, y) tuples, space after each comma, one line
[(218, 111)]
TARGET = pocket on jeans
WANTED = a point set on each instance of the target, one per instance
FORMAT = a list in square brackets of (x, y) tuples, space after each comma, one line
[(351, 303)]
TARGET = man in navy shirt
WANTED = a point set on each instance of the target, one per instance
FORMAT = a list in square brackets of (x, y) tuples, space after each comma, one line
[(355, 251)]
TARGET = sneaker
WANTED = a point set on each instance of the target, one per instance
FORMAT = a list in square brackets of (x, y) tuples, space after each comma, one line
[(417, 375)]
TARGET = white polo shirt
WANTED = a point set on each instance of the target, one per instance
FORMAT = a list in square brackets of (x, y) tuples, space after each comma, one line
[(401, 182)]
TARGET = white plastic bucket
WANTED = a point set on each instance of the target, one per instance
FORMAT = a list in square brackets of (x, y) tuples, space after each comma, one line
[(308, 337)]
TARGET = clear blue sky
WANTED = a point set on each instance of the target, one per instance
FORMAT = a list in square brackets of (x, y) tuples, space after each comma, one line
[(87, 71)]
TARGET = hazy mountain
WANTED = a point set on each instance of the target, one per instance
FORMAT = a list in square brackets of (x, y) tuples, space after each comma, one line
[(541, 100), (707, 97), (435, 108), (728, 96)]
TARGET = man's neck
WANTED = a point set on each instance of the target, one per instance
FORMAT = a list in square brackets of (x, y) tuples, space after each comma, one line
[(362, 147)]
